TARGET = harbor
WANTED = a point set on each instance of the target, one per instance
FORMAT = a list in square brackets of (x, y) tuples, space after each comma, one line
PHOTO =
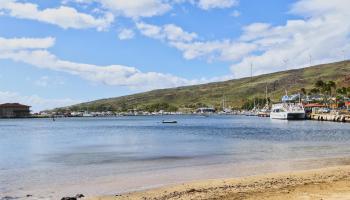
[(174, 100), (98, 156)]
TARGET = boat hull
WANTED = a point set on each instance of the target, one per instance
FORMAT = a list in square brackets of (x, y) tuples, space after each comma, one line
[(288, 116)]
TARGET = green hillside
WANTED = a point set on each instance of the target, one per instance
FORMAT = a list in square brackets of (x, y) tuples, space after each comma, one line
[(236, 92)]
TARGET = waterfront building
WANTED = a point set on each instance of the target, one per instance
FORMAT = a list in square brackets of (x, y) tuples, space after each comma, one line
[(14, 110), (206, 110), (347, 104)]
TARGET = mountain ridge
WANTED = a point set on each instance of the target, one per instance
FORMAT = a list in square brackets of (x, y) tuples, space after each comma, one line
[(235, 91)]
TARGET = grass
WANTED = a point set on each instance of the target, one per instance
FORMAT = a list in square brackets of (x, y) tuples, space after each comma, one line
[(236, 91)]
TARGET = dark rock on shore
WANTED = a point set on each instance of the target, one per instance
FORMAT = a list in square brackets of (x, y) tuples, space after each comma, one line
[(78, 196), (69, 198)]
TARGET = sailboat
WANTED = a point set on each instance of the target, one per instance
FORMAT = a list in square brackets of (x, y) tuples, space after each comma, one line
[(265, 111), (225, 110)]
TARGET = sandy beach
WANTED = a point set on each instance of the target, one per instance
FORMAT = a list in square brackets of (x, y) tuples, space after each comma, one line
[(327, 183)]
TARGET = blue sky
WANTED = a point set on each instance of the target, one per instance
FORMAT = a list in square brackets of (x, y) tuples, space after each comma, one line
[(57, 53)]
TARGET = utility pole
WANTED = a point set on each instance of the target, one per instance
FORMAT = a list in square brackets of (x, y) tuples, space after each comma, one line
[(285, 61), (310, 59), (251, 72)]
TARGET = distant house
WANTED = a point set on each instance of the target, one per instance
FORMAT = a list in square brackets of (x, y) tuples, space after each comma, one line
[(206, 110), (14, 110), (347, 104), (313, 107), (314, 98)]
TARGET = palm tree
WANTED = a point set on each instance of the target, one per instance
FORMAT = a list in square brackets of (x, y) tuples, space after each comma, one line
[(342, 91), (315, 91), (319, 84), (330, 85)]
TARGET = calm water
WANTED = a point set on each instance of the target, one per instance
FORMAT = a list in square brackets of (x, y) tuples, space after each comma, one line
[(106, 155)]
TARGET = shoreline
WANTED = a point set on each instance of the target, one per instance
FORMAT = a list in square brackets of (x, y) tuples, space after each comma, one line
[(325, 183)]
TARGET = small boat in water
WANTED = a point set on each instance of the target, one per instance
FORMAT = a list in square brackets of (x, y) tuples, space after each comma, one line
[(169, 122), (264, 113)]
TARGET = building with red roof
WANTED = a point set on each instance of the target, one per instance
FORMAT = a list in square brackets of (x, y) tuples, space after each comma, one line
[(347, 104)]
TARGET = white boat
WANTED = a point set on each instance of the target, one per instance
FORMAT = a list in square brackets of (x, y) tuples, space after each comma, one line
[(288, 110), (265, 112), (87, 114)]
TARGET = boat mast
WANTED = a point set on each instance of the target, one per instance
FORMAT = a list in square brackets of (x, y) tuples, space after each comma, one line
[(223, 102), (266, 95)]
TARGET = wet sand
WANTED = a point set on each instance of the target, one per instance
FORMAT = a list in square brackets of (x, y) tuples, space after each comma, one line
[(327, 183)]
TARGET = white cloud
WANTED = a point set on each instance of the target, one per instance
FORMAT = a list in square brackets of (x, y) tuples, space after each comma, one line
[(225, 50), (210, 4), (133, 8), (168, 32), (63, 16), (26, 43), (148, 8), (126, 34), (324, 34), (318, 8), (38, 103), (116, 75), (192, 48), (322, 31)]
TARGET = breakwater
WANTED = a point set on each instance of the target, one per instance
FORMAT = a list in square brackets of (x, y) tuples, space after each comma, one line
[(334, 117)]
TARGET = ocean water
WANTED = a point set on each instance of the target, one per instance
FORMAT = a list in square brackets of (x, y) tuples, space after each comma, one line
[(97, 156)]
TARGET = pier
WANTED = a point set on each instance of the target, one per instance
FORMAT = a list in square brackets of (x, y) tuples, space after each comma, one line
[(334, 117)]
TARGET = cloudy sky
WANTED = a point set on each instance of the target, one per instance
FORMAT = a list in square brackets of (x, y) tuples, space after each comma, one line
[(60, 52)]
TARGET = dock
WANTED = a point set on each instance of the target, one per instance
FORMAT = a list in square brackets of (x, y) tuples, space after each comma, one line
[(334, 117)]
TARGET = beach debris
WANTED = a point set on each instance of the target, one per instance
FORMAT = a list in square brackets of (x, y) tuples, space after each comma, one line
[(69, 198), (29, 195), (76, 197), (79, 196)]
